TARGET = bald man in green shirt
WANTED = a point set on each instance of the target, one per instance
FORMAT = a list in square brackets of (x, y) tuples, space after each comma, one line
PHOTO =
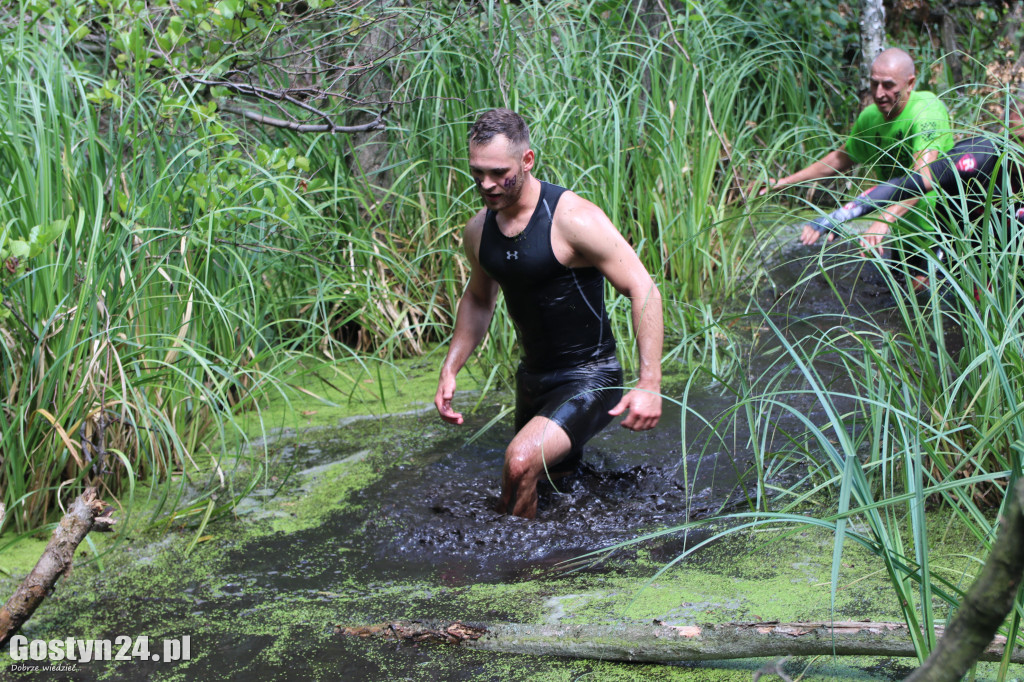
[(901, 131)]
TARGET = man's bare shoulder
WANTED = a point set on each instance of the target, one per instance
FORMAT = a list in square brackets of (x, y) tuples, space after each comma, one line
[(575, 214), (475, 226), (476, 223), (581, 234)]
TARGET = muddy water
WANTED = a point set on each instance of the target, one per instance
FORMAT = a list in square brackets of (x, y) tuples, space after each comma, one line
[(434, 517), (429, 522), (628, 482)]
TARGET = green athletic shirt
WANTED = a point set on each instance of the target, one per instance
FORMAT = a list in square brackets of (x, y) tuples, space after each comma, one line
[(889, 146)]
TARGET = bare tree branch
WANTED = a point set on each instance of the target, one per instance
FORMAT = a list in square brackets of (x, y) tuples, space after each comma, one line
[(87, 513), (19, 318), (329, 127), (984, 607)]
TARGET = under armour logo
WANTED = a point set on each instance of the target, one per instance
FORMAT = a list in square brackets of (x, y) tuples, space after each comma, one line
[(510, 255)]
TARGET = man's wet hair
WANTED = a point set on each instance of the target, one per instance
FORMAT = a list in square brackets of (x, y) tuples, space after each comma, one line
[(501, 122)]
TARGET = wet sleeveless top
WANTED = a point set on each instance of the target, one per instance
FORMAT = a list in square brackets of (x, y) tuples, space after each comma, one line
[(558, 312)]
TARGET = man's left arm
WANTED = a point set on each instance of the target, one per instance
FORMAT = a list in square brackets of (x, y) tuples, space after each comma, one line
[(872, 237), (644, 400), (595, 241)]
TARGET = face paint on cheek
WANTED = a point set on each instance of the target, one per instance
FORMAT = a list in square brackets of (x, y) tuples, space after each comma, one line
[(509, 183)]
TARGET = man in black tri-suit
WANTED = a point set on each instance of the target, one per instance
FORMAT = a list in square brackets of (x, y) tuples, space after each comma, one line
[(549, 251)]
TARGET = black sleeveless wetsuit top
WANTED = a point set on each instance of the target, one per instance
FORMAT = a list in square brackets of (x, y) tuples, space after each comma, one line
[(558, 311)]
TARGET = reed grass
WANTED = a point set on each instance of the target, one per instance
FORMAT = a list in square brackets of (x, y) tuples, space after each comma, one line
[(654, 126), (147, 325), (897, 417), (200, 261)]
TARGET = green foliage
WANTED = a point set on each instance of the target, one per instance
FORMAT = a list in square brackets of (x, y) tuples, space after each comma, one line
[(827, 32), (647, 135), (860, 423), (196, 256), (136, 278), (169, 257), (15, 254)]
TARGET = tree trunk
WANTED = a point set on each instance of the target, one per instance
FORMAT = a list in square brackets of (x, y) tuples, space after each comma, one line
[(1012, 24), (872, 37), (666, 643), (956, 69), (986, 604), (375, 85), (86, 513)]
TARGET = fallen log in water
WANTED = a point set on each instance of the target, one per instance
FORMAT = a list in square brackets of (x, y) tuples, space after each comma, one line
[(668, 643), (85, 514), (970, 636)]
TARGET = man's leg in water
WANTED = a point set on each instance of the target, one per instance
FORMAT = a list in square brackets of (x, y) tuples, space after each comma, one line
[(541, 442)]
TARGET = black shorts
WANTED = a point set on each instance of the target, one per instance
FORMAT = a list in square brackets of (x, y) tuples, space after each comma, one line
[(577, 398)]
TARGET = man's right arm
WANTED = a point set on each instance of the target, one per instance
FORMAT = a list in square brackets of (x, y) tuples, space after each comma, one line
[(835, 162), (472, 318)]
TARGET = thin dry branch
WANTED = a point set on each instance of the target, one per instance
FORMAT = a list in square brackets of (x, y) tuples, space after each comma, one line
[(330, 127), (87, 513), (19, 318)]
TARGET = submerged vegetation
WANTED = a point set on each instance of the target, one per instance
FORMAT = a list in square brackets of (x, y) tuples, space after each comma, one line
[(178, 248)]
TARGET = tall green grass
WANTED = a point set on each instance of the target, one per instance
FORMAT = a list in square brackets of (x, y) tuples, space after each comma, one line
[(159, 313), (201, 260), (891, 427), (205, 258), (928, 425), (656, 127)]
